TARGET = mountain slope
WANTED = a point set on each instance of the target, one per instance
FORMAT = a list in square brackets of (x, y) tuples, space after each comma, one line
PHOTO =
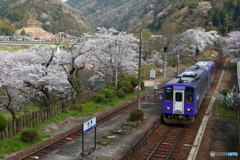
[(222, 15), (126, 14), (111, 13), (52, 15)]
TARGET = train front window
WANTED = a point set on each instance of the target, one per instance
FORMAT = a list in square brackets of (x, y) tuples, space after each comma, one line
[(168, 93), (178, 97), (189, 94)]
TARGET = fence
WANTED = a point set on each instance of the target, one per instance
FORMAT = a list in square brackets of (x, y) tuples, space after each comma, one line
[(34, 118)]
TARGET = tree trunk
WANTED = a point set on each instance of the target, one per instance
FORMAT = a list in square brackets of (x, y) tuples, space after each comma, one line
[(12, 113)]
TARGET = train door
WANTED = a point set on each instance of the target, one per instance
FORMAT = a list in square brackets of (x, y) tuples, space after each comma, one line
[(178, 101)]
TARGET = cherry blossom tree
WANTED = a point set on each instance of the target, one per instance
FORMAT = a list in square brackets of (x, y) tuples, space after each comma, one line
[(38, 71), (73, 61), (50, 74), (231, 44), (200, 39), (10, 87), (186, 43), (115, 51)]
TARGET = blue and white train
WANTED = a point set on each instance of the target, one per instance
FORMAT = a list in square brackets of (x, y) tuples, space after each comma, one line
[(183, 95)]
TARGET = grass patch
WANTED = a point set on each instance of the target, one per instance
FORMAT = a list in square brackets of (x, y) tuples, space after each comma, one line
[(58, 118), (24, 110), (233, 67), (13, 48), (188, 61), (14, 144), (207, 54), (226, 112), (92, 107), (6, 115), (223, 111)]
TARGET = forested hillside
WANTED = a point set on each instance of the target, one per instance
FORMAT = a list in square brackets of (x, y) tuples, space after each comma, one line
[(55, 16), (120, 14), (223, 15), (52, 15)]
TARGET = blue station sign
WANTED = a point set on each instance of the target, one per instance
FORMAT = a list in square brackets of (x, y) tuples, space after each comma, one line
[(87, 126)]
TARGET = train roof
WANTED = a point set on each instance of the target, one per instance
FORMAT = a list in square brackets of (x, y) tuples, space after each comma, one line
[(193, 75), (205, 65)]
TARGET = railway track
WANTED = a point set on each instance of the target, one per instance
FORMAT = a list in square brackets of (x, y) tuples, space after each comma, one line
[(183, 140), (53, 144), (166, 144)]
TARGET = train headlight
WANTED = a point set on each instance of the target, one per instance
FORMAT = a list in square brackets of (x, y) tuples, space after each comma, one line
[(167, 108), (189, 109)]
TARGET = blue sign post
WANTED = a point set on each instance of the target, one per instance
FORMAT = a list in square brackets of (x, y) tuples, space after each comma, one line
[(86, 127)]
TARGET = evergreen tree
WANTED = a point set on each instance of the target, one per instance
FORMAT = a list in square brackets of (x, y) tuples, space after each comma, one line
[(23, 32), (6, 28)]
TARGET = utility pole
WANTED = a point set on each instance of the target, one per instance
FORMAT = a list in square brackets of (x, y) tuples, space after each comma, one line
[(116, 65), (165, 49), (178, 59), (239, 127), (197, 53), (139, 70)]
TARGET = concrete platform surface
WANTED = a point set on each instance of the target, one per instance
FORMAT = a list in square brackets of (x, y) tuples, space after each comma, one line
[(117, 147)]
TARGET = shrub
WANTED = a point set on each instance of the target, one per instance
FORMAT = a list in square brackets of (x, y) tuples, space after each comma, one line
[(126, 86), (113, 89), (136, 115), (120, 93), (100, 98), (23, 32), (3, 123), (132, 79), (123, 83), (173, 10), (125, 90), (108, 93), (29, 135), (193, 5), (180, 5), (226, 91)]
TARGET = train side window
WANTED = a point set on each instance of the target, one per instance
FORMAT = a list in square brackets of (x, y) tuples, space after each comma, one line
[(189, 94), (178, 97), (169, 93)]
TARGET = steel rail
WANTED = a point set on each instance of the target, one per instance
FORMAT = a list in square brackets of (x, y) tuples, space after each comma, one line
[(75, 132), (176, 139)]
